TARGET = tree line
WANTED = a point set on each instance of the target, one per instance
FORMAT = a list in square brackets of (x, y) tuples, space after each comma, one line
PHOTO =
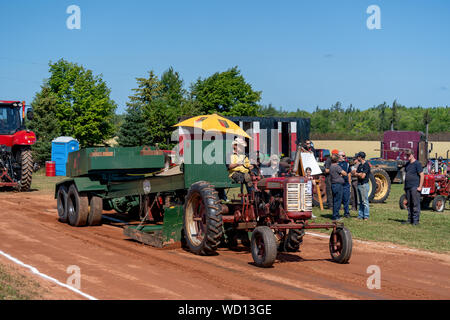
[(75, 102)]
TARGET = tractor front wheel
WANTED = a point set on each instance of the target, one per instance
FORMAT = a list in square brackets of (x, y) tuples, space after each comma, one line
[(341, 245), (263, 247), (438, 203), (202, 219)]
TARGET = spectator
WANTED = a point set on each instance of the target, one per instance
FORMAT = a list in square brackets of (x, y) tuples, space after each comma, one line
[(273, 168), (327, 180), (311, 185), (363, 172), (308, 147), (347, 182), (354, 185), (442, 167), (413, 186), (337, 181)]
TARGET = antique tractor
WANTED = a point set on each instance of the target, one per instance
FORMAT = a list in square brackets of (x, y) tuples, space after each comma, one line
[(187, 202), (435, 190)]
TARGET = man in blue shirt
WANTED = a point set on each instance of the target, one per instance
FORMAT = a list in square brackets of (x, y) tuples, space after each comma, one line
[(413, 187), (347, 182)]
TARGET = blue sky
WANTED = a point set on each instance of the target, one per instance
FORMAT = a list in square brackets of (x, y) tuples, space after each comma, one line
[(300, 54)]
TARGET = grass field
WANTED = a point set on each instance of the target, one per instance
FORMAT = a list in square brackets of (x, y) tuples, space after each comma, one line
[(42, 183), (14, 286), (384, 224)]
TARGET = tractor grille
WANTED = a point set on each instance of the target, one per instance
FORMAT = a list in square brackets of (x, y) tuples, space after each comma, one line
[(297, 197)]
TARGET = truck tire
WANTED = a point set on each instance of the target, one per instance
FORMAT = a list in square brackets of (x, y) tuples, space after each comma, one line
[(95, 211), (26, 169), (438, 203), (293, 240), (381, 183), (341, 251), (61, 203), (202, 219), (403, 202), (263, 247), (77, 207)]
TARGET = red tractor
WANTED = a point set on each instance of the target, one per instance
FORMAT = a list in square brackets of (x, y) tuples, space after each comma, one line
[(16, 163), (435, 190)]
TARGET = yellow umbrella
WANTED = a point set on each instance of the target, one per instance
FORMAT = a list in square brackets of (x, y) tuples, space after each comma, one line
[(213, 122)]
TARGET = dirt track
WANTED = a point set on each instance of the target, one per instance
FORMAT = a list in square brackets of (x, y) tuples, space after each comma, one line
[(113, 267)]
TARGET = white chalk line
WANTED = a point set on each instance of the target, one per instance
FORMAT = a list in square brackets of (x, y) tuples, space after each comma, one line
[(37, 272)]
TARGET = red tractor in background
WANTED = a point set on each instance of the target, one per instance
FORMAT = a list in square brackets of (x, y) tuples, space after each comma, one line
[(435, 190), (16, 163)]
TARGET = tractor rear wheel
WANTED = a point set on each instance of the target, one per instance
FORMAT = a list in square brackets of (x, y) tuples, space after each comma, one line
[(263, 247), (341, 245), (293, 240), (403, 202), (77, 207), (382, 184), (26, 168), (202, 219), (95, 211), (438, 203), (61, 203)]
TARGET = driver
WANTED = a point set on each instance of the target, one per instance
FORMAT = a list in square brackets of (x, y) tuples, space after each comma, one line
[(239, 165)]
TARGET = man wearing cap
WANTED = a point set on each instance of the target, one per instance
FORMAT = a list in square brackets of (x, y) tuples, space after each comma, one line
[(413, 186), (347, 182), (239, 165), (328, 179), (362, 173)]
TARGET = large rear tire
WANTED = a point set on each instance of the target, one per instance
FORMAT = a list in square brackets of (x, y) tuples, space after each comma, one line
[(380, 185), (263, 247), (61, 203), (95, 211), (341, 249), (77, 207), (202, 219), (25, 159)]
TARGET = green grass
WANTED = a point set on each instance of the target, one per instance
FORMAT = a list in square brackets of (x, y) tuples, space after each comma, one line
[(15, 286), (384, 224), (42, 183)]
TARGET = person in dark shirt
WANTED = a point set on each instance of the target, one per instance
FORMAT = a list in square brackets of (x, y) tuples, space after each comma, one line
[(413, 186), (362, 173), (337, 180), (347, 182), (329, 192)]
